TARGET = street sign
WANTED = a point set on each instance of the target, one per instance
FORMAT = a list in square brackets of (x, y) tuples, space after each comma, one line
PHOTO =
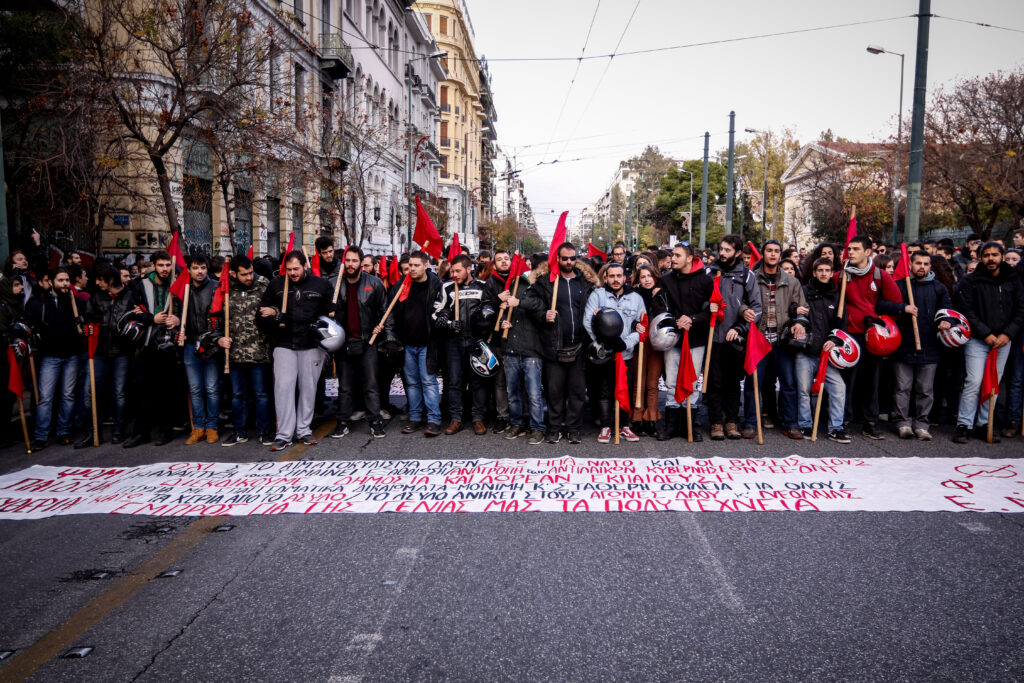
[(122, 219)]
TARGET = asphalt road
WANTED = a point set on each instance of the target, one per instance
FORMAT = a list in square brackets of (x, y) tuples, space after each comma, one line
[(493, 596)]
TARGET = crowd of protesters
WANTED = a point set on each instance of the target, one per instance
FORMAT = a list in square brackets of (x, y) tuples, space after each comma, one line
[(522, 346)]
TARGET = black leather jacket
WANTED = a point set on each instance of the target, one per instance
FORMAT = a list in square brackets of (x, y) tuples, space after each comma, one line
[(308, 299), (371, 304), (107, 309)]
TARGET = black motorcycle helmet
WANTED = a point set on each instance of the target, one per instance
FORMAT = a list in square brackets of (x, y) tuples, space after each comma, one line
[(607, 325)]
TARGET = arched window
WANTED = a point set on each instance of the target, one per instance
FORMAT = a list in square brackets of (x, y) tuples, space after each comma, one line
[(381, 38)]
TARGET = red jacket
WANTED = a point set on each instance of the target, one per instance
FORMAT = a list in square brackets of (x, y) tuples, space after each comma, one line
[(872, 294)]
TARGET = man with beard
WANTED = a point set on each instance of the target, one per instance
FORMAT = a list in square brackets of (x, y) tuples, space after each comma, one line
[(495, 284), (203, 373), (685, 293), (743, 306), (156, 370), (324, 246), (360, 306)]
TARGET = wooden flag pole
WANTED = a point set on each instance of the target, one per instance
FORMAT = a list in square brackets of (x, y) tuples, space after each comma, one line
[(711, 338), (757, 410), (184, 317), (227, 330), (387, 313), (515, 291), (74, 311), (817, 413), (689, 420), (615, 407), (94, 401), (24, 424), (639, 374), (284, 297), (991, 422), (35, 379), (913, 318), (842, 294)]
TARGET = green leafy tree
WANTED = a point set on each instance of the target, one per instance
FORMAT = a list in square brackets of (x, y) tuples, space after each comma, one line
[(780, 148), (674, 197)]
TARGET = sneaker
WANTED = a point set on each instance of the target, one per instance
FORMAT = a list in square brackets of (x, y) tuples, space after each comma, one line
[(500, 425), (340, 431), (516, 431), (195, 437), (116, 439), (575, 437), (280, 445), (960, 434), (923, 434), (234, 440), (413, 426), (308, 440), (767, 423), (358, 415), (377, 429), (554, 436), (433, 429), (839, 436), (266, 438), (871, 432), (605, 436), (807, 432), (628, 434), (536, 438), (905, 432)]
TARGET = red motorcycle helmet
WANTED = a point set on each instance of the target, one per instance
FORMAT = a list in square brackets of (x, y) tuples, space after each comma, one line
[(846, 351), (882, 337), (959, 330)]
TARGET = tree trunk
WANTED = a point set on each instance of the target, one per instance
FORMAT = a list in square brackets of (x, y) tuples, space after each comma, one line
[(228, 213), (165, 191)]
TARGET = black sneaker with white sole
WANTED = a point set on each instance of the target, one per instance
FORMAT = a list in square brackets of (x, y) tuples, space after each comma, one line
[(377, 429), (554, 436), (234, 440), (340, 431), (839, 436), (266, 438)]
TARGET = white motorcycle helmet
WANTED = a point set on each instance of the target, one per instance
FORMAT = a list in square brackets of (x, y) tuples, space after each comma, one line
[(483, 361), (332, 335), (664, 333)]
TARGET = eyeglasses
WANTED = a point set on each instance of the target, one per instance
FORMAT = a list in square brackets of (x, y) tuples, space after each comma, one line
[(566, 258)]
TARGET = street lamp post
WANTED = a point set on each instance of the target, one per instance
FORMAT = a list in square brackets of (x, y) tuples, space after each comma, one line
[(690, 222), (877, 50), (764, 194)]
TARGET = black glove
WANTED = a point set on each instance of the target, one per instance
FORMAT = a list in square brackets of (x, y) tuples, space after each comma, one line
[(616, 345), (456, 326), (443, 322)]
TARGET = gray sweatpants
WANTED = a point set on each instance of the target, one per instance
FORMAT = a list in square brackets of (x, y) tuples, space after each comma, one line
[(920, 378), (292, 368)]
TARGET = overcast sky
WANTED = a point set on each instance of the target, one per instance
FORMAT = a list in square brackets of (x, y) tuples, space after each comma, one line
[(808, 82)]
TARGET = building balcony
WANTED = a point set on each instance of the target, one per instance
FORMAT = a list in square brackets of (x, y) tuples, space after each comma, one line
[(432, 149), (445, 174), (445, 106), (446, 142), (335, 56)]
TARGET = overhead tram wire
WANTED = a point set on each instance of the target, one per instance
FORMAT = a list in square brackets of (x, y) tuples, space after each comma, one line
[(572, 81), (978, 23)]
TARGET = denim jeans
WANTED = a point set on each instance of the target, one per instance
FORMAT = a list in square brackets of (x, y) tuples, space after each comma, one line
[(250, 379), (203, 388), (1014, 382), (672, 357), (56, 373), (975, 353), (835, 390), (785, 369), (421, 387), (457, 354), (525, 372), (116, 368)]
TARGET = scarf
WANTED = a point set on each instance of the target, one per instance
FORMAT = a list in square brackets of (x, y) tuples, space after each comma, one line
[(927, 278), (857, 272)]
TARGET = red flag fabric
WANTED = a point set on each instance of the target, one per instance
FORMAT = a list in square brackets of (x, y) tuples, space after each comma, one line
[(757, 348), (394, 272), (382, 268), (686, 378), (851, 232), (519, 267), (716, 298), (755, 255), (222, 289), (403, 293), (696, 265), (314, 264), (14, 382), (426, 235), (621, 383), (819, 376), (556, 240), (249, 253), (647, 332), (291, 246), (902, 271), (92, 336), (990, 380), (174, 249), (594, 251), (178, 286), (455, 249)]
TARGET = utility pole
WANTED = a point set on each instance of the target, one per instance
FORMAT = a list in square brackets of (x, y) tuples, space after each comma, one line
[(629, 223), (704, 195), (924, 15), (730, 179), (5, 242), (465, 183), (410, 206)]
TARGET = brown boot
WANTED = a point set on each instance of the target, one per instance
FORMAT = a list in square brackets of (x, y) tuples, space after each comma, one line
[(731, 431), (716, 433), (454, 427), (479, 428), (212, 436), (196, 436)]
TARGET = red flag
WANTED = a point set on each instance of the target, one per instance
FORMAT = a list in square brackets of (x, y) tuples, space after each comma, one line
[(222, 289), (382, 268), (249, 253), (518, 268), (990, 380), (403, 293), (902, 271), (395, 271), (755, 255), (174, 249), (819, 376), (557, 239), (178, 286), (455, 249), (686, 378), (291, 246), (716, 298), (14, 382), (621, 383), (314, 264), (851, 231), (594, 251), (426, 235), (92, 336), (757, 348), (647, 331)]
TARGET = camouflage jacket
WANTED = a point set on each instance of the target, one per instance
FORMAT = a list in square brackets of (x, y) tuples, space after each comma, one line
[(248, 343)]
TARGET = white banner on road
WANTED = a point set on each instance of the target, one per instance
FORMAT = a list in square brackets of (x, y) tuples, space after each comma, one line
[(185, 489)]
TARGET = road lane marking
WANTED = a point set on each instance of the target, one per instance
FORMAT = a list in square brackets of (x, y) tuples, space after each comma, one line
[(724, 586)]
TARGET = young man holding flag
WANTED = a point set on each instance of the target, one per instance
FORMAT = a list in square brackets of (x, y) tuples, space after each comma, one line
[(203, 373), (324, 260), (496, 284), (521, 360), (992, 300)]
